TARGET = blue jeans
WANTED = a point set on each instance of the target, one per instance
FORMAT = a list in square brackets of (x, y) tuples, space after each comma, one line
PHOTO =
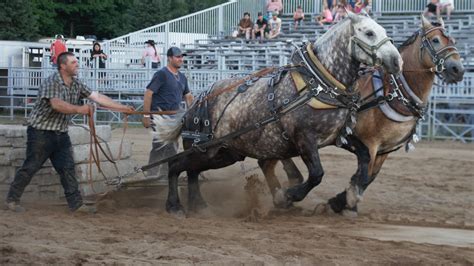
[(41, 145)]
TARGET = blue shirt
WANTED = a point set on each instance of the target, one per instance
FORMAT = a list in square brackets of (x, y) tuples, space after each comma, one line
[(168, 90)]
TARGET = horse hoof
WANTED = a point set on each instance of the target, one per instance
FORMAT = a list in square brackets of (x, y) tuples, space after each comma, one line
[(349, 213), (180, 215), (281, 200), (353, 196), (323, 208)]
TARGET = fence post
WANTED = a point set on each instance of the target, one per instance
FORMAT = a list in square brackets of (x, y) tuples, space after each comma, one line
[(378, 7), (10, 84), (167, 38), (221, 22)]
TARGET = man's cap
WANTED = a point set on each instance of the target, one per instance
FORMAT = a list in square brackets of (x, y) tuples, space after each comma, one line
[(59, 36), (275, 14), (175, 51), (259, 14), (151, 42)]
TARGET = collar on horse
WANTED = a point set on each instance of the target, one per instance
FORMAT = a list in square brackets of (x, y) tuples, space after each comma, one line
[(395, 98)]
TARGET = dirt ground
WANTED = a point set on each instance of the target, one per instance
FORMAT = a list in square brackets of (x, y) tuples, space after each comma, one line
[(420, 210)]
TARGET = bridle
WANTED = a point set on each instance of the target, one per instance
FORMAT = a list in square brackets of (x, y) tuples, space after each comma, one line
[(370, 50), (438, 57)]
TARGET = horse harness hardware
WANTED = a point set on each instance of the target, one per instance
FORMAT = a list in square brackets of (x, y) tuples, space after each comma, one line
[(370, 50), (437, 56)]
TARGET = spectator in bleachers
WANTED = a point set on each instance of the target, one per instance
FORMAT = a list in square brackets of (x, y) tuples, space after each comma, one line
[(151, 52), (431, 8), (445, 5), (325, 17), (57, 47), (245, 26), (275, 26), (97, 55), (298, 16), (358, 6), (261, 27), (274, 6), (346, 5), (340, 14), (368, 6)]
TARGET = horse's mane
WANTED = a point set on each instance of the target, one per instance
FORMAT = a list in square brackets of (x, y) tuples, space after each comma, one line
[(414, 36)]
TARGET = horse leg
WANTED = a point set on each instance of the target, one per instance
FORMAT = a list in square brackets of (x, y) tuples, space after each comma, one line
[(195, 200), (268, 169), (294, 175), (173, 204), (310, 155), (341, 201), (199, 163)]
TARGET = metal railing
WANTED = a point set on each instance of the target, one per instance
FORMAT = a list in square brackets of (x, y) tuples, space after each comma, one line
[(450, 113), (214, 21)]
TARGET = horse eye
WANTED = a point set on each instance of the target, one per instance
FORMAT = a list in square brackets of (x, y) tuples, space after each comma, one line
[(436, 40), (370, 33)]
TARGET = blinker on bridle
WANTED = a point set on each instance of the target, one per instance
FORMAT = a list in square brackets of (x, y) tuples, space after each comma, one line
[(435, 55), (370, 50)]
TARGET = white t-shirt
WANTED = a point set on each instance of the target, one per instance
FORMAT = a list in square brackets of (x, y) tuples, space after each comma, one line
[(275, 25)]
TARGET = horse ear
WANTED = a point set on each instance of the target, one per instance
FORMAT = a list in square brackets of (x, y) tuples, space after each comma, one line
[(364, 13), (353, 17), (425, 23), (441, 21)]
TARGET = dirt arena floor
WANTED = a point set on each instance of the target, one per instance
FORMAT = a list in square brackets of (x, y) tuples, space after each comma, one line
[(419, 211)]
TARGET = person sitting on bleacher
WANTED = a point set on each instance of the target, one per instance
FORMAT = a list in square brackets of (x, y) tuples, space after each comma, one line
[(245, 26), (325, 17), (275, 26), (431, 8), (274, 6), (340, 14), (298, 16), (261, 27), (447, 5)]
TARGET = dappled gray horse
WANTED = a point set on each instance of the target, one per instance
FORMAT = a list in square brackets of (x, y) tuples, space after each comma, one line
[(322, 71)]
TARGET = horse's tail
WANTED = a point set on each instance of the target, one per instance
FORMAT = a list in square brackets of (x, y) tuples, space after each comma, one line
[(168, 127)]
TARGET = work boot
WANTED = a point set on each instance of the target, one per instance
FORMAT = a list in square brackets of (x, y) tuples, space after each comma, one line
[(14, 206), (86, 209)]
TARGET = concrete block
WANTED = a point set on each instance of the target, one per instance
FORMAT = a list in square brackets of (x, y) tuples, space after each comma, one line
[(17, 154), (4, 141), (79, 135), (124, 167), (88, 189), (7, 174), (81, 152), (13, 131), (18, 142)]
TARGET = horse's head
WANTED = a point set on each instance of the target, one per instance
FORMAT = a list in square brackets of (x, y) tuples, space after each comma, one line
[(370, 45), (438, 51)]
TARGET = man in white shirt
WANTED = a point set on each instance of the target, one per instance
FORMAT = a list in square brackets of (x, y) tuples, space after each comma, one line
[(275, 26)]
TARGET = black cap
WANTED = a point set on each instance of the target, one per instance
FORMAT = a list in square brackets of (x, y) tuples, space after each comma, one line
[(259, 14), (151, 42), (175, 51)]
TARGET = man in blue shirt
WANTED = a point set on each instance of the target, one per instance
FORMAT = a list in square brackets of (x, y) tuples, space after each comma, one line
[(165, 92)]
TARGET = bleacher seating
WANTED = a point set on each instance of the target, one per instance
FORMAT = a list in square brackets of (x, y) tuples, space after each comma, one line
[(242, 55)]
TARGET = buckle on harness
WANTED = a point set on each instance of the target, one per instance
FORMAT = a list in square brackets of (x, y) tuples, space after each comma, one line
[(207, 123), (196, 120), (271, 96)]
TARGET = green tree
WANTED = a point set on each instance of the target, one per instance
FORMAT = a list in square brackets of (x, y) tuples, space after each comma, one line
[(18, 21)]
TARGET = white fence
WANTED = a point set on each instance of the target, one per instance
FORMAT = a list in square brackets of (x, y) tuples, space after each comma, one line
[(450, 114)]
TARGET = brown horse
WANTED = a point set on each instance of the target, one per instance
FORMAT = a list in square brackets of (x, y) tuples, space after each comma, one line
[(327, 67), (388, 122)]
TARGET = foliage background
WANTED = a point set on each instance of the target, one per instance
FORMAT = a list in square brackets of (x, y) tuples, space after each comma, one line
[(29, 20)]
